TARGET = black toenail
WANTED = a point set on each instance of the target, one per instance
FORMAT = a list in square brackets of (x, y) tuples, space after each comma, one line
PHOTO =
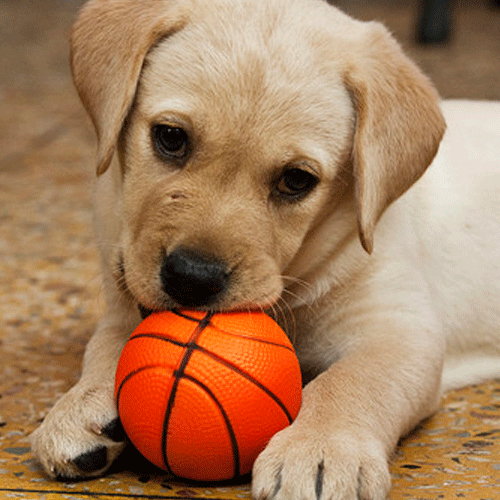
[(67, 479), (278, 483), (92, 460), (319, 480), (114, 430)]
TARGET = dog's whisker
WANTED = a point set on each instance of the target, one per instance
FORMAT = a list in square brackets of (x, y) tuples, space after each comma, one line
[(300, 284), (297, 281), (283, 314)]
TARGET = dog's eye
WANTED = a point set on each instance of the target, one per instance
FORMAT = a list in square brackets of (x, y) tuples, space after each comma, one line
[(170, 142), (295, 183)]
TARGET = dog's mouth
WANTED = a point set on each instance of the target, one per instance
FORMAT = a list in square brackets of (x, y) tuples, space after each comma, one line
[(144, 311), (187, 279), (191, 280)]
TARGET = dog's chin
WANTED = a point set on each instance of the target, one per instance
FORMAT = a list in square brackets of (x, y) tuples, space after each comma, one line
[(146, 311), (170, 305)]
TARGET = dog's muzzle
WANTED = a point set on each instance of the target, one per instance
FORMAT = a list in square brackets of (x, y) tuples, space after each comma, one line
[(192, 278)]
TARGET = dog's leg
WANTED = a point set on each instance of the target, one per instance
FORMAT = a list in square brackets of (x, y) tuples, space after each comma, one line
[(351, 419), (82, 435)]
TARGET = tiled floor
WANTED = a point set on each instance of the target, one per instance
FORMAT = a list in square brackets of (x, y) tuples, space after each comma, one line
[(49, 276)]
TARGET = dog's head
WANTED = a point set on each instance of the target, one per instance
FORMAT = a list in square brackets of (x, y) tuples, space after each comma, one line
[(246, 132)]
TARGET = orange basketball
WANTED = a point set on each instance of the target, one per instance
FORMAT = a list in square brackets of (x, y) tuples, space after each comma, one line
[(200, 394)]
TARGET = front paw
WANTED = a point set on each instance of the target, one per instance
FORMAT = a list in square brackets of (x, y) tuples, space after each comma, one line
[(81, 436), (307, 464)]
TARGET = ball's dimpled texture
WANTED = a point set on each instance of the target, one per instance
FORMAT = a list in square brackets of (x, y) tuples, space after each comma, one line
[(201, 394)]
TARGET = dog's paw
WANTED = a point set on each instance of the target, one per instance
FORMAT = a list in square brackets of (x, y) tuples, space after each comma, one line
[(81, 436), (303, 464)]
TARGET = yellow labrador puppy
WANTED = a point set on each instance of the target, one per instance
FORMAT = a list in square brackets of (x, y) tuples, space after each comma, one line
[(271, 155)]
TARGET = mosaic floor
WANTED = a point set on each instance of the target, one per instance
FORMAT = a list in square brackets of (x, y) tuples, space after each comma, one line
[(454, 454)]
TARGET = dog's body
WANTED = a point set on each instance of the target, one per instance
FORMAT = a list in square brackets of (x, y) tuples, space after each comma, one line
[(272, 155)]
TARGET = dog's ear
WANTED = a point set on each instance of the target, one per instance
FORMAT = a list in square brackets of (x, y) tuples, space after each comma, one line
[(109, 42), (398, 125)]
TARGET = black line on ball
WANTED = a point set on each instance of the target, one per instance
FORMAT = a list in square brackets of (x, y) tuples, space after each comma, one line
[(186, 316), (229, 426), (126, 379), (178, 374), (255, 339), (234, 334), (158, 336), (129, 376), (192, 346), (166, 338), (249, 377)]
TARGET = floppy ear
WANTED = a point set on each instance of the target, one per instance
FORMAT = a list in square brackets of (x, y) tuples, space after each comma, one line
[(398, 125), (109, 42)]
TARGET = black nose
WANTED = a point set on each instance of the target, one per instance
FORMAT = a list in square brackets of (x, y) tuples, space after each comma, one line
[(193, 279)]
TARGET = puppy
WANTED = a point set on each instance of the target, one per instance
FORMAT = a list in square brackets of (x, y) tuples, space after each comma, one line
[(270, 155)]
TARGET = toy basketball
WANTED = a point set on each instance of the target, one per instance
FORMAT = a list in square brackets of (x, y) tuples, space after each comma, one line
[(200, 394)]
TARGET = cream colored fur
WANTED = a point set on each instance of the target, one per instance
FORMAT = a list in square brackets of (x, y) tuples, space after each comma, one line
[(382, 274)]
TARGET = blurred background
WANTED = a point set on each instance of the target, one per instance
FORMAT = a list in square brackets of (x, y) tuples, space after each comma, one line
[(38, 105), (467, 64)]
